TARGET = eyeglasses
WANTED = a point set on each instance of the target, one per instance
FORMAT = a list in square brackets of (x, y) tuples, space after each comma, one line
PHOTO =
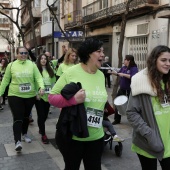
[(25, 53)]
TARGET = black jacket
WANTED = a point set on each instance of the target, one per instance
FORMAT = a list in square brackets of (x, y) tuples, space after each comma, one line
[(73, 119)]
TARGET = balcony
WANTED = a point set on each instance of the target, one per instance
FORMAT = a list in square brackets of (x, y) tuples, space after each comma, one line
[(4, 26), (73, 19), (35, 12), (97, 10)]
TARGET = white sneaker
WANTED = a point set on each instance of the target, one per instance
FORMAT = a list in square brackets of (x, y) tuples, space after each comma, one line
[(18, 146), (117, 138), (26, 138)]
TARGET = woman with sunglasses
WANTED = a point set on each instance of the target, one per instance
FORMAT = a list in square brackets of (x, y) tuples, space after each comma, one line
[(42, 104), (21, 76)]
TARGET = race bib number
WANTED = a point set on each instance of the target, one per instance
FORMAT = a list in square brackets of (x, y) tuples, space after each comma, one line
[(25, 87), (94, 117), (47, 88), (165, 103)]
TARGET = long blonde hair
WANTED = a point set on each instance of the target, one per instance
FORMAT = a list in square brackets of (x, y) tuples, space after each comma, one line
[(70, 51)]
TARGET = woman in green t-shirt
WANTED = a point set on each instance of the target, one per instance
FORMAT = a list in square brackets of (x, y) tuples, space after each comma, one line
[(70, 59), (42, 104), (148, 110), (93, 96), (21, 76)]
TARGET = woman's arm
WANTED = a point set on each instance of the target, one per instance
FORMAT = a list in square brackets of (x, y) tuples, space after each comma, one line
[(134, 112), (59, 101)]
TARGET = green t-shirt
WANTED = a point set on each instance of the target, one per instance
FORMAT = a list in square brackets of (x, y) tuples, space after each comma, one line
[(163, 120), (63, 67), (53, 64), (96, 96), (2, 72), (48, 83), (22, 76)]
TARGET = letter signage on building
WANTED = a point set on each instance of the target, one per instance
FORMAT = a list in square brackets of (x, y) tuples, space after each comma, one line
[(72, 35)]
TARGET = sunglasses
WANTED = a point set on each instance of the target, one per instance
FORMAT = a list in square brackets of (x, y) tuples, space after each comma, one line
[(25, 53)]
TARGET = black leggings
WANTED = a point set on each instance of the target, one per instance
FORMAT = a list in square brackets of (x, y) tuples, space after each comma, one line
[(151, 163), (21, 109), (42, 108), (74, 151)]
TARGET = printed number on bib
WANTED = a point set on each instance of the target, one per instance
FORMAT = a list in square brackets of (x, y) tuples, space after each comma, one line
[(25, 87), (47, 88), (94, 117)]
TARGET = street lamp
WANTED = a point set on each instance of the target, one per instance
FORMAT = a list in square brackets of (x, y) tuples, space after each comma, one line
[(54, 10)]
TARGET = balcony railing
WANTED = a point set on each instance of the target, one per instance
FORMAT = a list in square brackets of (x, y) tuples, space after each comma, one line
[(73, 19), (94, 11), (4, 26)]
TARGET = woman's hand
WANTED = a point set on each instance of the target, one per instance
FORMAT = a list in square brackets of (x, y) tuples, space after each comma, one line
[(80, 96), (120, 74), (37, 97)]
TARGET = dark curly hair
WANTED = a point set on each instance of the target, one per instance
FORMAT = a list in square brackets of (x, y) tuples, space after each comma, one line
[(155, 76), (87, 47)]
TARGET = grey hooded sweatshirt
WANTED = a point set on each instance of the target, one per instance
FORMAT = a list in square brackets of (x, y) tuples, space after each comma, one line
[(141, 116)]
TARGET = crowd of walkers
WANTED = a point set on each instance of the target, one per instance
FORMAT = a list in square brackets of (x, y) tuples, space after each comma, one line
[(75, 84)]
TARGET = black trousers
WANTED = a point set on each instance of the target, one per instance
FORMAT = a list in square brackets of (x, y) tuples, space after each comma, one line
[(42, 108), (21, 109), (74, 151), (151, 163), (107, 80), (120, 92)]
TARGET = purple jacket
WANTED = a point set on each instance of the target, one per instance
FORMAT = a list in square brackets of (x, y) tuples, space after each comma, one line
[(125, 82)]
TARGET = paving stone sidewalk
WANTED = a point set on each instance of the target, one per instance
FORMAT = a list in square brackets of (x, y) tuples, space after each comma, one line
[(38, 156)]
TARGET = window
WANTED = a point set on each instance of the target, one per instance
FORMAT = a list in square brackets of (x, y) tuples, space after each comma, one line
[(36, 3), (45, 16), (138, 47), (103, 4)]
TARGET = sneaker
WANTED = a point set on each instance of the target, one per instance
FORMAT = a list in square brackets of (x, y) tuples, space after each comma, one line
[(117, 138), (45, 139), (26, 138), (1, 108), (18, 146)]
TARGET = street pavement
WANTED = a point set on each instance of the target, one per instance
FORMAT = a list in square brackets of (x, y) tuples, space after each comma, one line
[(38, 156)]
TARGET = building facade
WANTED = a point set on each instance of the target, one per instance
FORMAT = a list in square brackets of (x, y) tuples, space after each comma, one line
[(6, 31), (102, 19)]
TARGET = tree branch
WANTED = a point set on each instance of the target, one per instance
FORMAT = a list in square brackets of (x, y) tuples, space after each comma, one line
[(53, 14)]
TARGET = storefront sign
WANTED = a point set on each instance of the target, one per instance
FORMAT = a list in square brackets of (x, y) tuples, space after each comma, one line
[(69, 34)]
